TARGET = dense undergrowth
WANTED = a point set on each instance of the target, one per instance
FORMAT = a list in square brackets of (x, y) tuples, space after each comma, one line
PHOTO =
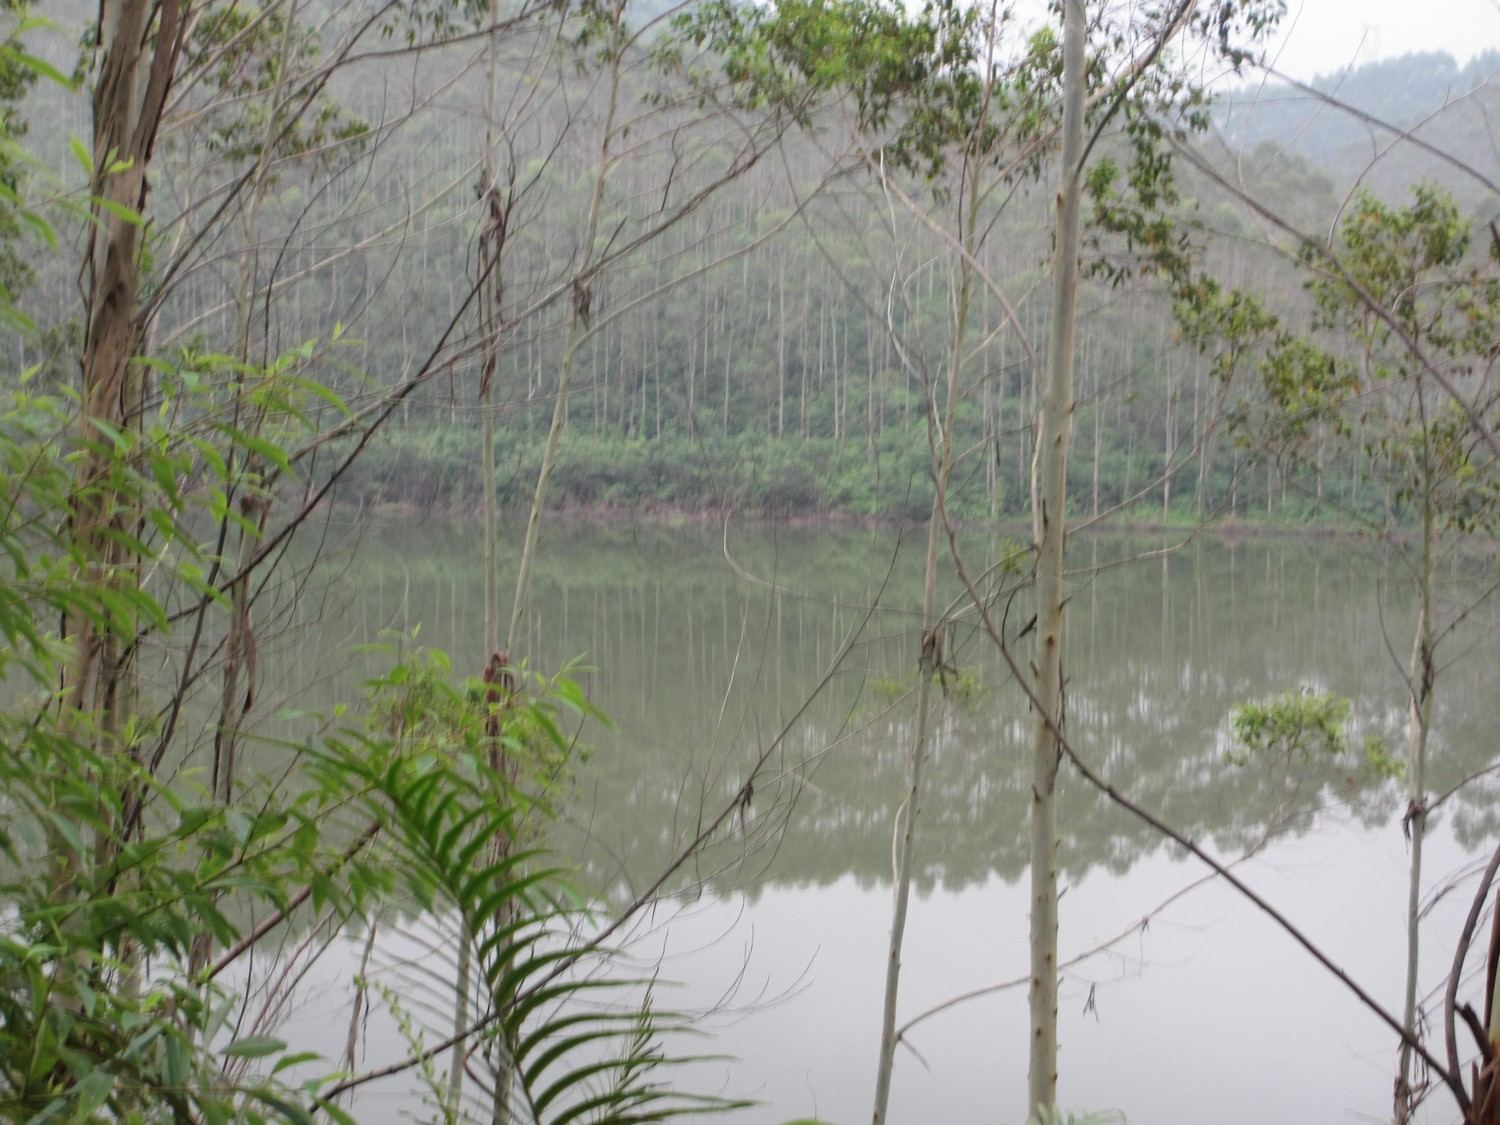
[(888, 479)]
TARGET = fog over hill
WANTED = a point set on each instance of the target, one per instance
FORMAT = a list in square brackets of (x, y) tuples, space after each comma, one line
[(1448, 106)]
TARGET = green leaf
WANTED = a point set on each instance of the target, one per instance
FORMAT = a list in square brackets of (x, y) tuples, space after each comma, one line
[(253, 1047), (118, 210), (42, 67), (81, 154), (175, 1062), (271, 452), (40, 225), (294, 1059), (340, 1116), (92, 1093)]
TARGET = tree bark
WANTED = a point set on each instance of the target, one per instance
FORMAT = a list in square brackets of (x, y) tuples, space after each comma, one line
[(140, 44), (1419, 707), (578, 327), (492, 245), (1050, 530), (928, 664)]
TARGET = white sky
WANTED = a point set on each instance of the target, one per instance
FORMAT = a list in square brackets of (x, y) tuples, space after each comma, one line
[(1319, 36), (1323, 36)]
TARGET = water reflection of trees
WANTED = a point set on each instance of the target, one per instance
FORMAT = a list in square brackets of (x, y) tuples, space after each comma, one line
[(700, 668)]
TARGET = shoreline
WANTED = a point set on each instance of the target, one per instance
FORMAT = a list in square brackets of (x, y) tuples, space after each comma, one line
[(665, 516)]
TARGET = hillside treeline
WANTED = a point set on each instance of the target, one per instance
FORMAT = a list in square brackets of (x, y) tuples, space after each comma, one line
[(773, 347)]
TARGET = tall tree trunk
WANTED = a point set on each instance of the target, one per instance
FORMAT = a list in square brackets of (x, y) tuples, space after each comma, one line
[(1419, 718), (1170, 448), (1098, 409), (578, 327), (929, 662), (493, 217), (728, 356), (692, 427), (781, 347), (1051, 526), (238, 641), (140, 43)]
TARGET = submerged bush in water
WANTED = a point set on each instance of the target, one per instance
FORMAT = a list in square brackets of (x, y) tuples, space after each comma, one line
[(1294, 722)]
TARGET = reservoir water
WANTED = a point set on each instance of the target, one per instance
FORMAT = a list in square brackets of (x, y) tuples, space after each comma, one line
[(788, 655)]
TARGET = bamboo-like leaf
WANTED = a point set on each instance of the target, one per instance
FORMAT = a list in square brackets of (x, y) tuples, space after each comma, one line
[(41, 67), (118, 210), (253, 1047), (81, 154)]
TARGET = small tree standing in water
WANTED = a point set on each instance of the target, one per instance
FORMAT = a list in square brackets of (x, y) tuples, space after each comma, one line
[(1412, 304), (1398, 365)]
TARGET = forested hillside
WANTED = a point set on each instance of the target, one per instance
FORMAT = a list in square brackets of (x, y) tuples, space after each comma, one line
[(771, 348), (1428, 96)]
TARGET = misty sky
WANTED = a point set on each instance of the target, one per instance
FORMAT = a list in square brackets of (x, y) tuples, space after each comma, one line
[(1319, 36), (1325, 36)]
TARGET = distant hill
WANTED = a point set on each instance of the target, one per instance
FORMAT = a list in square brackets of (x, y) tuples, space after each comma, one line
[(1455, 108)]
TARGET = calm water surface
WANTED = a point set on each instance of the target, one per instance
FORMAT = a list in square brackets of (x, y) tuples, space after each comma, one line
[(705, 649)]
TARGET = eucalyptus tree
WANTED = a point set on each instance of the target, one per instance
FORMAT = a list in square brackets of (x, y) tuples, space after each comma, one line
[(920, 93), (221, 105), (708, 119), (958, 107), (139, 48), (1437, 311), (986, 114), (1127, 70), (1394, 356), (1387, 355), (1049, 528)]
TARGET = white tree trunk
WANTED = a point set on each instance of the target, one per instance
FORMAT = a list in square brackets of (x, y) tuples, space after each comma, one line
[(577, 332), (930, 660), (1419, 718), (1050, 528)]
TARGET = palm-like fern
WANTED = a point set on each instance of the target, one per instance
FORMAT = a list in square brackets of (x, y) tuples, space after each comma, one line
[(104, 1017), (559, 1039)]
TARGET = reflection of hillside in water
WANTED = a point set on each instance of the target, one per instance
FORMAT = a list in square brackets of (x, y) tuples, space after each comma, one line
[(699, 668)]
